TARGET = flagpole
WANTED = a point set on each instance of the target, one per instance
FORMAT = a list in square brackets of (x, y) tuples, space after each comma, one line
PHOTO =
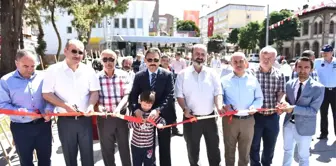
[(267, 26)]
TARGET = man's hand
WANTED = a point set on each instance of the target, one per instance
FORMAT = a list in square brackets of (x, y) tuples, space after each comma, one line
[(285, 107), (46, 117), (252, 110), (138, 113), (69, 108), (227, 108), (289, 110), (90, 111), (154, 114), (187, 113), (221, 110), (280, 107)]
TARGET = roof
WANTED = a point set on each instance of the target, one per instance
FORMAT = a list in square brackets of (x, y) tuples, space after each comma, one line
[(157, 39), (331, 7)]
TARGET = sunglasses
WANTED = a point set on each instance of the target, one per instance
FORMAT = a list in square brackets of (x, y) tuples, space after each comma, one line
[(108, 59), (150, 60), (77, 52)]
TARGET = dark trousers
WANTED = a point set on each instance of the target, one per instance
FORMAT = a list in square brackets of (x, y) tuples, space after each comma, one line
[(329, 98), (29, 136), (192, 135), (265, 128), (76, 134), (164, 139), (143, 156), (114, 130)]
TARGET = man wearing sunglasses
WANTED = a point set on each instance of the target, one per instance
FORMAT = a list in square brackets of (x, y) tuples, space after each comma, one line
[(73, 87), (115, 86), (161, 81)]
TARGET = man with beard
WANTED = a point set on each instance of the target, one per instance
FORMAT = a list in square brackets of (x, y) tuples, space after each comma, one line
[(115, 86), (241, 91), (127, 66), (165, 65), (161, 82), (267, 122), (73, 87), (301, 103), (21, 90), (197, 90)]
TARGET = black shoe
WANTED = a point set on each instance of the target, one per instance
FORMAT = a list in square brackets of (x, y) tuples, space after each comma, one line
[(322, 137), (176, 132)]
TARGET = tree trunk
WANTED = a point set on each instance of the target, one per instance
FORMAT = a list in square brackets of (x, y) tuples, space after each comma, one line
[(53, 22), (21, 39), (11, 21)]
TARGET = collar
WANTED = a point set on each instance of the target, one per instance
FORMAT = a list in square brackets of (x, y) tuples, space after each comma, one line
[(194, 71), (116, 73), (303, 83), (269, 72), (156, 72), (233, 75), (66, 67), (18, 75)]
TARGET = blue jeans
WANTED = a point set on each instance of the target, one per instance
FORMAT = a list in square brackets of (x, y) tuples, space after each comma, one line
[(143, 156), (291, 137), (266, 128)]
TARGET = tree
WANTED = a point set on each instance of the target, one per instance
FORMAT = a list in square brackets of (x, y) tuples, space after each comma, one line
[(248, 36), (90, 12), (187, 25), (11, 23), (217, 37), (233, 36), (285, 32)]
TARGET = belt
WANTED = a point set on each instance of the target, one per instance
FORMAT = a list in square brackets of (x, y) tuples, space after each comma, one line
[(329, 88), (36, 121), (265, 114), (73, 117), (204, 115), (242, 117)]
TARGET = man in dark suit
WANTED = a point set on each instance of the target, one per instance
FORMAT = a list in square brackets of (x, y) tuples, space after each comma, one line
[(161, 81)]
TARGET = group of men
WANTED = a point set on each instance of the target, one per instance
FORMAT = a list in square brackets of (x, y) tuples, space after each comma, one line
[(70, 86)]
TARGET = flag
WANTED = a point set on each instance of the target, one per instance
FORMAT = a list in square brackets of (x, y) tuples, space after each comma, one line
[(282, 22), (210, 26), (322, 4), (192, 16)]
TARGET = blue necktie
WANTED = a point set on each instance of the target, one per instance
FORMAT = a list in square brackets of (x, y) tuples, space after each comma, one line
[(153, 81)]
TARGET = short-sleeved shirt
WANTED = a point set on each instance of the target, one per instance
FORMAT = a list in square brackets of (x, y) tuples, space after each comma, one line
[(272, 83), (113, 89), (198, 89), (326, 72), (71, 86)]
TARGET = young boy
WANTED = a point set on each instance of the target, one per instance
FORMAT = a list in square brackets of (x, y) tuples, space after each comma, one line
[(142, 143)]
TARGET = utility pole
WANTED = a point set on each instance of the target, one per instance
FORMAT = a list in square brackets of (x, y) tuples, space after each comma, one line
[(267, 26)]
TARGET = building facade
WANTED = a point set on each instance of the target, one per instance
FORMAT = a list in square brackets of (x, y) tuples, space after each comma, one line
[(229, 17), (317, 29), (166, 25)]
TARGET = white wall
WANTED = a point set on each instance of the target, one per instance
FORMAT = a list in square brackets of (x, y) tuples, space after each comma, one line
[(136, 9)]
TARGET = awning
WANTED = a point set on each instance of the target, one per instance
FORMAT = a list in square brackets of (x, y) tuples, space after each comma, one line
[(156, 39)]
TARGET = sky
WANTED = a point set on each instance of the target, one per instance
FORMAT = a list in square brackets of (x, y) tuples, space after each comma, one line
[(176, 7)]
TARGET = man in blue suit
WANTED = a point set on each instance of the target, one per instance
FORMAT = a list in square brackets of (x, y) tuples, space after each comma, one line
[(303, 99)]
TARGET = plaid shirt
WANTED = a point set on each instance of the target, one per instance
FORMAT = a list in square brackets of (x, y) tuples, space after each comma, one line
[(312, 74), (113, 89), (271, 83)]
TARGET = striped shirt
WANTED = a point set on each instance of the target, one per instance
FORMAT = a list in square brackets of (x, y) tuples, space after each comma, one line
[(143, 133)]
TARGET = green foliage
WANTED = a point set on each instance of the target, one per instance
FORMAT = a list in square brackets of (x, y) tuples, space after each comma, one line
[(217, 37), (285, 32), (233, 36), (248, 36), (42, 45), (187, 25), (89, 12)]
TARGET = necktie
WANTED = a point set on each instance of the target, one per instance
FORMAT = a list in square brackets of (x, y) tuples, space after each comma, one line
[(298, 94), (153, 81)]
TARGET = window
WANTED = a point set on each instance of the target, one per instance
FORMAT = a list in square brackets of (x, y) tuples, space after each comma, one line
[(248, 16), (132, 23), (305, 27), (315, 28), (116, 23), (69, 30), (331, 27), (124, 23), (320, 27), (140, 24), (100, 25)]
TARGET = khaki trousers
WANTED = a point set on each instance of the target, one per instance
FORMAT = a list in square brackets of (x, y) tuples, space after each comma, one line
[(237, 131)]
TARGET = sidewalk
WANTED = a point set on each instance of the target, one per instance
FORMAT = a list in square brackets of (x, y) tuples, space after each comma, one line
[(323, 152)]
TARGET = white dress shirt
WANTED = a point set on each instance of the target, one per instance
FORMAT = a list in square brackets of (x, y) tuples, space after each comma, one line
[(178, 65), (198, 89), (297, 85), (71, 87)]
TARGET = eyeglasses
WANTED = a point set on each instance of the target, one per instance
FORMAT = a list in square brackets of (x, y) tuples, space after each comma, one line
[(108, 59), (75, 52), (150, 60)]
